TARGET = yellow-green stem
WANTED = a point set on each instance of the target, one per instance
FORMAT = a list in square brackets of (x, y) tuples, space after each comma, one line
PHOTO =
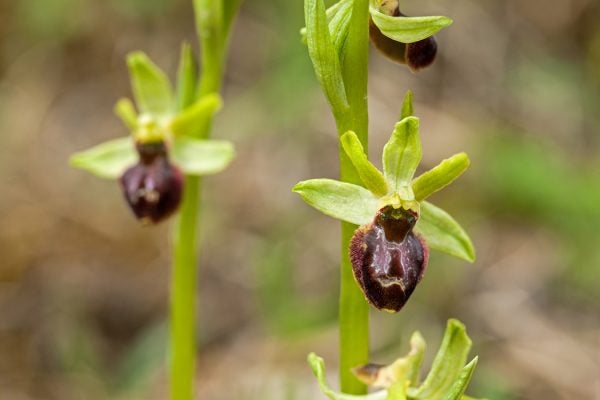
[(185, 236), (183, 294), (353, 309)]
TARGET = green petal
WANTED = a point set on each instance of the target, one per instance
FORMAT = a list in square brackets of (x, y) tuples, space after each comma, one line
[(402, 154), (408, 29), (344, 201), (126, 111), (151, 87), (107, 160), (440, 176), (443, 233), (186, 78), (193, 120), (371, 177), (324, 56), (201, 157), (318, 367), (447, 365)]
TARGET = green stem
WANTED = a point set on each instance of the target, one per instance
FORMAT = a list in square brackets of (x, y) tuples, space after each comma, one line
[(354, 310), (183, 294), (213, 34)]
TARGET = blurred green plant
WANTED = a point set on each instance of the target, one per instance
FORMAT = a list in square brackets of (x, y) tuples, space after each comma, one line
[(172, 124)]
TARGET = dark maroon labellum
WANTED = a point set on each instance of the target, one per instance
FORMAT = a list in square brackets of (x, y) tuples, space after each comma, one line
[(153, 186), (388, 259), (416, 55)]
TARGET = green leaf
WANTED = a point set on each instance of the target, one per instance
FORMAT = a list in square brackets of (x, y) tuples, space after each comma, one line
[(230, 9), (318, 367), (344, 201), (407, 105), (186, 78), (107, 160), (211, 27), (369, 174), (443, 233), (201, 157), (402, 154), (447, 365), (339, 25), (324, 56), (440, 176), (151, 87), (460, 385), (126, 111), (408, 29), (193, 120)]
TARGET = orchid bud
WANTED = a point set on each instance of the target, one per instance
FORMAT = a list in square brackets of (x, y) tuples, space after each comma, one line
[(388, 259), (416, 55), (153, 186)]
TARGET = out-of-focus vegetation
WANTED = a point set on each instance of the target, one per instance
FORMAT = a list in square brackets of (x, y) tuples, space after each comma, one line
[(83, 286)]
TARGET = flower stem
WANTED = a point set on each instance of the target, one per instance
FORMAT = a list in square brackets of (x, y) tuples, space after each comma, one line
[(183, 294), (353, 309), (213, 33)]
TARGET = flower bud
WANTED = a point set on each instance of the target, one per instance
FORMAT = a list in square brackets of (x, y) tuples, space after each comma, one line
[(416, 55), (153, 186), (388, 259)]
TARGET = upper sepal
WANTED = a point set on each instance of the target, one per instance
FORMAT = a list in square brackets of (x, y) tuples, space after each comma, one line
[(151, 87)]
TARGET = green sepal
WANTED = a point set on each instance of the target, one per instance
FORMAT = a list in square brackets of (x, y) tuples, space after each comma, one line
[(440, 176), (195, 157), (201, 157), (406, 369), (443, 233), (324, 56), (318, 368), (402, 154), (372, 178), (397, 391), (408, 29), (107, 160), (125, 110), (151, 87), (460, 385), (447, 364), (341, 200), (407, 105), (186, 78), (193, 120)]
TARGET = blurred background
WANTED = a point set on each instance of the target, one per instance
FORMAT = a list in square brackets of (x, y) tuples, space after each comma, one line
[(83, 287)]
